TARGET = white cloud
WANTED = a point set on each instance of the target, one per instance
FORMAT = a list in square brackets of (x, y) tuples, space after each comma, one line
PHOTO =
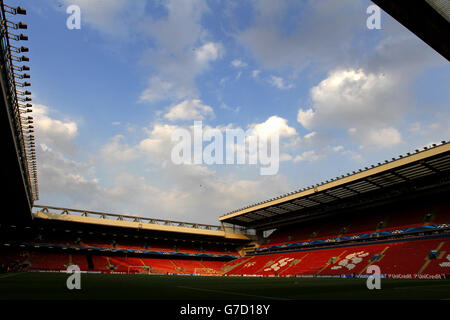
[(176, 74), (310, 135), (275, 48), (238, 63), (365, 105), (159, 89), (228, 108), (279, 83), (177, 32), (60, 177), (384, 138), (59, 134), (114, 18), (208, 52), (305, 117), (189, 110), (274, 124), (255, 73), (158, 144), (309, 156), (115, 151), (353, 97), (183, 51), (285, 157), (187, 192)]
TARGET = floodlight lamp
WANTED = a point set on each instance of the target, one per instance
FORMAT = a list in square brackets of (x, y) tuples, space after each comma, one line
[(20, 10)]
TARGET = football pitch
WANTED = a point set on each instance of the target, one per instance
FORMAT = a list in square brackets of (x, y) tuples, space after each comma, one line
[(44, 286)]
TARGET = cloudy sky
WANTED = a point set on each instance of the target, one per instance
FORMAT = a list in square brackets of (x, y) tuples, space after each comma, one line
[(107, 98)]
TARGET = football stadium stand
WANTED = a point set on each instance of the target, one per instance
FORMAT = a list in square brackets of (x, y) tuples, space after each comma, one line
[(394, 214)]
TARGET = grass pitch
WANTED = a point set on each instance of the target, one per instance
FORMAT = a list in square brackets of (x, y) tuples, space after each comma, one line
[(44, 286)]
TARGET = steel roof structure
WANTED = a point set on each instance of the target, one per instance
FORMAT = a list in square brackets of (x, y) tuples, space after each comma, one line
[(428, 168), (113, 220), (19, 170), (427, 19)]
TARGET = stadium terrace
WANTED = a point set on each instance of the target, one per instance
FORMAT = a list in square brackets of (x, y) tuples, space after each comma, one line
[(394, 215)]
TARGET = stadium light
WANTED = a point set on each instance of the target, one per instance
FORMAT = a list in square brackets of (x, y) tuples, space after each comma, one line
[(21, 25), (19, 50), (20, 10), (24, 84), (14, 25), (12, 10), (23, 99), (17, 37)]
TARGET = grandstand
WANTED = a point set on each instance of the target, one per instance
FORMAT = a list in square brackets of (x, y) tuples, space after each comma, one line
[(394, 214), (103, 242)]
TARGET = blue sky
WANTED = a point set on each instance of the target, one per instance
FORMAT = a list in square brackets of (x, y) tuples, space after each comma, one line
[(108, 96)]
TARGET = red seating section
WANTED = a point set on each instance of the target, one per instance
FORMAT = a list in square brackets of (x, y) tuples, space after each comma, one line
[(366, 222), (60, 261), (48, 261), (442, 262), (407, 257)]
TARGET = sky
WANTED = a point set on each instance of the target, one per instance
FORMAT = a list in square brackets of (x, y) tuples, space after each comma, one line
[(107, 98)]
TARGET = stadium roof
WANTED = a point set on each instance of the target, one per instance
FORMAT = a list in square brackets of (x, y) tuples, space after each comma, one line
[(427, 19), (390, 177), (19, 171), (133, 222)]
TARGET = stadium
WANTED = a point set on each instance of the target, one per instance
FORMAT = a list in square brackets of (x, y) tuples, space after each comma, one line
[(314, 243)]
